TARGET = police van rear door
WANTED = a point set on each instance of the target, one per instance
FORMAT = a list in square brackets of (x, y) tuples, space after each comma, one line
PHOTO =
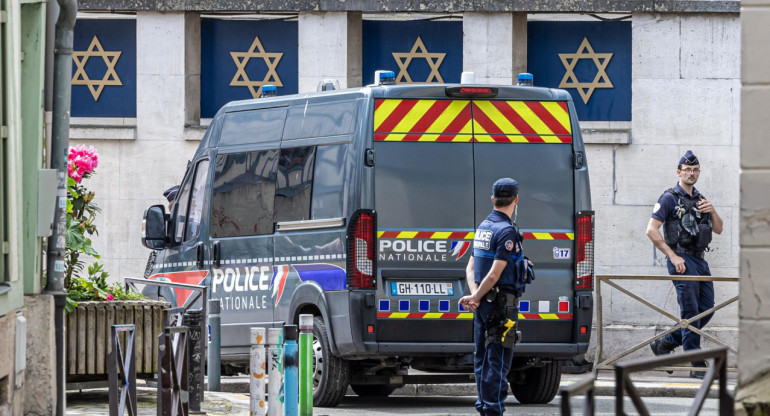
[(424, 198), (530, 140)]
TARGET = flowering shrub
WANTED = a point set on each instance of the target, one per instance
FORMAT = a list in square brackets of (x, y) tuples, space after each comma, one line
[(81, 213)]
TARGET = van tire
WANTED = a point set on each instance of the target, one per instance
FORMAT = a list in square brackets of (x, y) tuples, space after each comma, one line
[(373, 390), (538, 385), (331, 374)]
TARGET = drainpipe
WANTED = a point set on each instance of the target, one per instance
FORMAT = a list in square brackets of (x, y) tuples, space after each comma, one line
[(62, 68)]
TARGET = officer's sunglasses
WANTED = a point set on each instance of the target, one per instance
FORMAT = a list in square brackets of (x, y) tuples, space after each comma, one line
[(691, 171)]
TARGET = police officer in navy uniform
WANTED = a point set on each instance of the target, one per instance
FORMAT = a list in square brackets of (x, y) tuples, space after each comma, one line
[(688, 220), (497, 274)]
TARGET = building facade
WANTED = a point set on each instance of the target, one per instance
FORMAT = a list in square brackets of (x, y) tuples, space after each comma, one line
[(649, 82)]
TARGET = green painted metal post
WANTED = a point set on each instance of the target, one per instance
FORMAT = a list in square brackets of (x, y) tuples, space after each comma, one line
[(306, 365)]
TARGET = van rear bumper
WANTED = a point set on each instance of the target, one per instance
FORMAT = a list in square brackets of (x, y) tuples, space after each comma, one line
[(552, 350)]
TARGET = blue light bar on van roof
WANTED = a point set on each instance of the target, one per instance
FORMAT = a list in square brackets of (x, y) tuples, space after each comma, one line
[(269, 90), (477, 92), (384, 77)]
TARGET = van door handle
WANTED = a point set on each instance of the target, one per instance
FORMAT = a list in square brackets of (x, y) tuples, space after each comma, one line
[(200, 249), (217, 254)]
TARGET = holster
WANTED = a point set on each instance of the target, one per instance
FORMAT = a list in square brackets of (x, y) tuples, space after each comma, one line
[(501, 325)]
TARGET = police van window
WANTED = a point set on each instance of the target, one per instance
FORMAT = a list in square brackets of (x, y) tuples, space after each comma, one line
[(253, 126), (294, 184), (244, 190), (329, 180), (320, 120), (196, 200), (181, 205)]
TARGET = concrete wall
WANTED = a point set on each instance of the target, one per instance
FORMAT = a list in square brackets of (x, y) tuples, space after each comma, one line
[(685, 96), (754, 369)]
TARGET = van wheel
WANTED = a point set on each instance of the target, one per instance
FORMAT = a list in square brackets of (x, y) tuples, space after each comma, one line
[(373, 390), (538, 385), (331, 374)]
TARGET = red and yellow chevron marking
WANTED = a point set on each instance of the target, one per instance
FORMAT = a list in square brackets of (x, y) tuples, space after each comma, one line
[(521, 122), (422, 121), (443, 235), (463, 235), (545, 316), (549, 236), (465, 315), (425, 315)]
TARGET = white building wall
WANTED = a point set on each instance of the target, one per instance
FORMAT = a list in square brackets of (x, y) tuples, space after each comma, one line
[(685, 95)]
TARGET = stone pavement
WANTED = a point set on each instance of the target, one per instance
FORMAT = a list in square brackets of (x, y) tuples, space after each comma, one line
[(234, 399)]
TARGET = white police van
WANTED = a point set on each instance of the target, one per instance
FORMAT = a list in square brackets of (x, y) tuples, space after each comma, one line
[(359, 206)]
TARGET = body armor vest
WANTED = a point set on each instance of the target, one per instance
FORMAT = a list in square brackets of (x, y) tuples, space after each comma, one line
[(688, 229), (516, 274)]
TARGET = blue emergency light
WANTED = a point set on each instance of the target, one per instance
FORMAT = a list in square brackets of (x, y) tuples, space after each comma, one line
[(269, 90), (525, 79), (384, 77)]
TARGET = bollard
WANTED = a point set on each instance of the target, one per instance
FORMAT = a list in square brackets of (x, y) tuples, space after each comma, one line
[(257, 373), (192, 320), (213, 364), (290, 379), (275, 372), (306, 365)]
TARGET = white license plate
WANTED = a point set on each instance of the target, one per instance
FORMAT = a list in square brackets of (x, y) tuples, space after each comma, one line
[(421, 289)]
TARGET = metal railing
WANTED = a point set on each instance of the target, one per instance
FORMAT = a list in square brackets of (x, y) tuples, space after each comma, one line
[(680, 323), (173, 393), (624, 385), (121, 361), (584, 386)]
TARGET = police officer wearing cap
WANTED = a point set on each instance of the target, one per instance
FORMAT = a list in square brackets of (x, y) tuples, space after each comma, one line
[(688, 220), (497, 274)]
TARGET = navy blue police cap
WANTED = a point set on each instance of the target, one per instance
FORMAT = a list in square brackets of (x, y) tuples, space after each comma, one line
[(689, 159), (170, 193), (505, 188)]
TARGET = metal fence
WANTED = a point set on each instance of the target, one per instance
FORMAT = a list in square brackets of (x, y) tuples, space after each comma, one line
[(613, 281), (624, 385)]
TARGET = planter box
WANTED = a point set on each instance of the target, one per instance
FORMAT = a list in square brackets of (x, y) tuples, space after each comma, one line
[(88, 337)]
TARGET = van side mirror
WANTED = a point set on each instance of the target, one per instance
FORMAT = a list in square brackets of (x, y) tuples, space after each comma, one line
[(154, 227)]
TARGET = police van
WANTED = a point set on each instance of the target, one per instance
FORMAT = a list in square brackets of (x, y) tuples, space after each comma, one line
[(359, 206)]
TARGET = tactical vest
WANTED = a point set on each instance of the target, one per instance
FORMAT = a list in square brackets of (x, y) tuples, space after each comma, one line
[(688, 230), (516, 274)]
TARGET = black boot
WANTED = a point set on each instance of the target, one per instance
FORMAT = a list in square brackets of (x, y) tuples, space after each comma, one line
[(661, 347), (699, 374)]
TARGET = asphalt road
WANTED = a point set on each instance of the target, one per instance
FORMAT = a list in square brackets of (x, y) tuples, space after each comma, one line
[(95, 403)]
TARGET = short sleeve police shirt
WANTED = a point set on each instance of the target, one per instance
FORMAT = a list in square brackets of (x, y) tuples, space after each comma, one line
[(667, 204), (508, 242)]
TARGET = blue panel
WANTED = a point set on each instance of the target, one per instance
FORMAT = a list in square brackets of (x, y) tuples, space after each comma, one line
[(106, 51), (523, 306), (443, 306), (547, 40), (424, 305), (328, 276), (460, 308), (384, 305), (442, 46), (219, 68), (403, 306)]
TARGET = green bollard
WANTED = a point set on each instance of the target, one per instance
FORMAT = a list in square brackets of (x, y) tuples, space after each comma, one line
[(306, 365)]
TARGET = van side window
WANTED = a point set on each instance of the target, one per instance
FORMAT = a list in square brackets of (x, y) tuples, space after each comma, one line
[(181, 204), (294, 184), (244, 190), (254, 126), (196, 200)]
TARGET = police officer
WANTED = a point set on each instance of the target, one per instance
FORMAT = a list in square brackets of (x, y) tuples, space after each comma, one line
[(497, 274), (688, 220)]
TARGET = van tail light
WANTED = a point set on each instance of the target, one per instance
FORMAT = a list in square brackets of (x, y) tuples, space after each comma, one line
[(361, 260), (584, 272)]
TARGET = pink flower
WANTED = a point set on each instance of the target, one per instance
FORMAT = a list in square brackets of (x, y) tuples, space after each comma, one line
[(81, 161), (109, 296)]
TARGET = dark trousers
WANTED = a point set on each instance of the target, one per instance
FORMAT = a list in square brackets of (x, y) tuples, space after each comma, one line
[(491, 364), (693, 298)]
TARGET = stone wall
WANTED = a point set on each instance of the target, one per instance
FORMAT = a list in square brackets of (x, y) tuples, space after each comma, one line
[(754, 369)]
